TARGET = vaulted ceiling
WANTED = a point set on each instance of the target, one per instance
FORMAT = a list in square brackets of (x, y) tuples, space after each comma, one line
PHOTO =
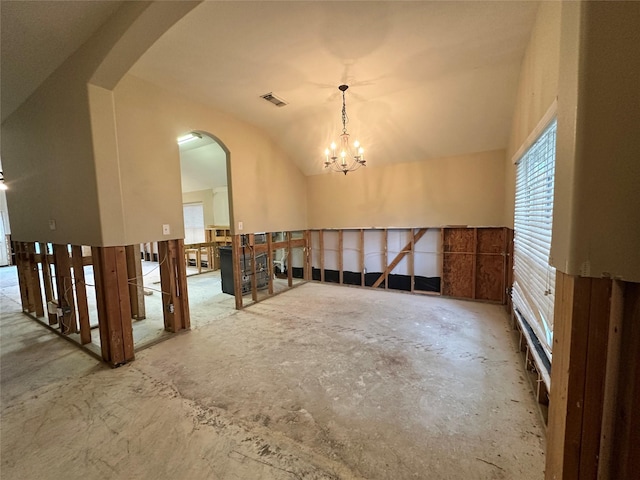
[(427, 79)]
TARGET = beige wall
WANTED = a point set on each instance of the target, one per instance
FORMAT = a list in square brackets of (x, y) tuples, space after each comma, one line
[(537, 89), (463, 190), (596, 229), (205, 197), (56, 144), (267, 191), (221, 207), (47, 156)]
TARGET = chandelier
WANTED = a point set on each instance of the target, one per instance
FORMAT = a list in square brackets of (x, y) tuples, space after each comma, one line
[(346, 157)]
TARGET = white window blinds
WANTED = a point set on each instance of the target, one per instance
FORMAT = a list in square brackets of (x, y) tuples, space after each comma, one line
[(193, 223), (533, 277)]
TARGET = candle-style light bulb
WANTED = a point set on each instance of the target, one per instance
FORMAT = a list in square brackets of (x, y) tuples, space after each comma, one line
[(356, 144)]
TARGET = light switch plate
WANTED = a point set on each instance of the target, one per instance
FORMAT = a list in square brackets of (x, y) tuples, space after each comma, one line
[(166, 229)]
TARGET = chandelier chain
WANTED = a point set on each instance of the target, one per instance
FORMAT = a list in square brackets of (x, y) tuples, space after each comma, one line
[(345, 157), (345, 118)]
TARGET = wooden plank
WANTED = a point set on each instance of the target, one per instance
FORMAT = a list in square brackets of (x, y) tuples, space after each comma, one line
[(101, 301), (489, 277), (47, 281), (458, 262), (340, 256), (254, 273), (123, 319), (81, 294), (289, 261), (625, 462), (362, 258), (28, 278), (412, 240), (491, 240), (168, 286), (408, 248), (475, 265), (21, 266), (135, 281), (114, 310), (173, 275), (34, 271), (458, 240), (237, 274), (386, 260), (441, 260), (630, 462), (270, 262), (596, 363), (566, 412), (321, 241), (64, 284), (614, 367), (457, 275), (307, 257), (182, 293)]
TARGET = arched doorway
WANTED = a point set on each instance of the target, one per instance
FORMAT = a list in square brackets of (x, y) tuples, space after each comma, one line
[(206, 201)]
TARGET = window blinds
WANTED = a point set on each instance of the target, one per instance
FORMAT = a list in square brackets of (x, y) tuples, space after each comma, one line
[(193, 223), (533, 277)]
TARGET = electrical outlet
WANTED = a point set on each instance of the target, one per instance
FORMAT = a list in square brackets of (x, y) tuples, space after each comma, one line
[(52, 224), (240, 226), (166, 229)]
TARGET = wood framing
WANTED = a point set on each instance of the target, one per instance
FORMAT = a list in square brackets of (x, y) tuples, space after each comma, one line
[(580, 345), (47, 281), (254, 273), (362, 267), (64, 286), (321, 242), (237, 273), (114, 307), (81, 294), (408, 248), (35, 292), (340, 256), (289, 261), (136, 286), (270, 263), (22, 267), (173, 281)]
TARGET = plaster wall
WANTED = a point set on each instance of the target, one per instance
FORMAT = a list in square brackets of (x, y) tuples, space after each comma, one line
[(462, 190), (537, 90), (596, 229), (267, 190), (61, 139)]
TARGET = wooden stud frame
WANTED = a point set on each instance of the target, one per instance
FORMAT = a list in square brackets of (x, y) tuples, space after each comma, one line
[(173, 281), (114, 307), (81, 294)]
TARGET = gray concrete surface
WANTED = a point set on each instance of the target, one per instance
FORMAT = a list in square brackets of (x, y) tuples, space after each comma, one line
[(321, 382)]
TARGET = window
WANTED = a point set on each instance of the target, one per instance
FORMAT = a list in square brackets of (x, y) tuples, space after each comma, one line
[(533, 277), (193, 223)]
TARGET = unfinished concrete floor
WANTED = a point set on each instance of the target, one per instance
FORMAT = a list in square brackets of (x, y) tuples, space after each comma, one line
[(321, 382)]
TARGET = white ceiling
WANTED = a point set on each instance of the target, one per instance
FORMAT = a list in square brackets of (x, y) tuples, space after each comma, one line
[(428, 79), (203, 165)]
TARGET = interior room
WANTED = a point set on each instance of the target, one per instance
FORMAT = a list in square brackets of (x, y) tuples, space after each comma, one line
[(320, 240)]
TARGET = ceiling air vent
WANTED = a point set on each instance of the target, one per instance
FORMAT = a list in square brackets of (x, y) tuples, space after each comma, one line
[(270, 97)]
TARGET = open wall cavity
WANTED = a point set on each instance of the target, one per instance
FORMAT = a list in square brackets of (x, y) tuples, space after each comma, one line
[(459, 262)]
